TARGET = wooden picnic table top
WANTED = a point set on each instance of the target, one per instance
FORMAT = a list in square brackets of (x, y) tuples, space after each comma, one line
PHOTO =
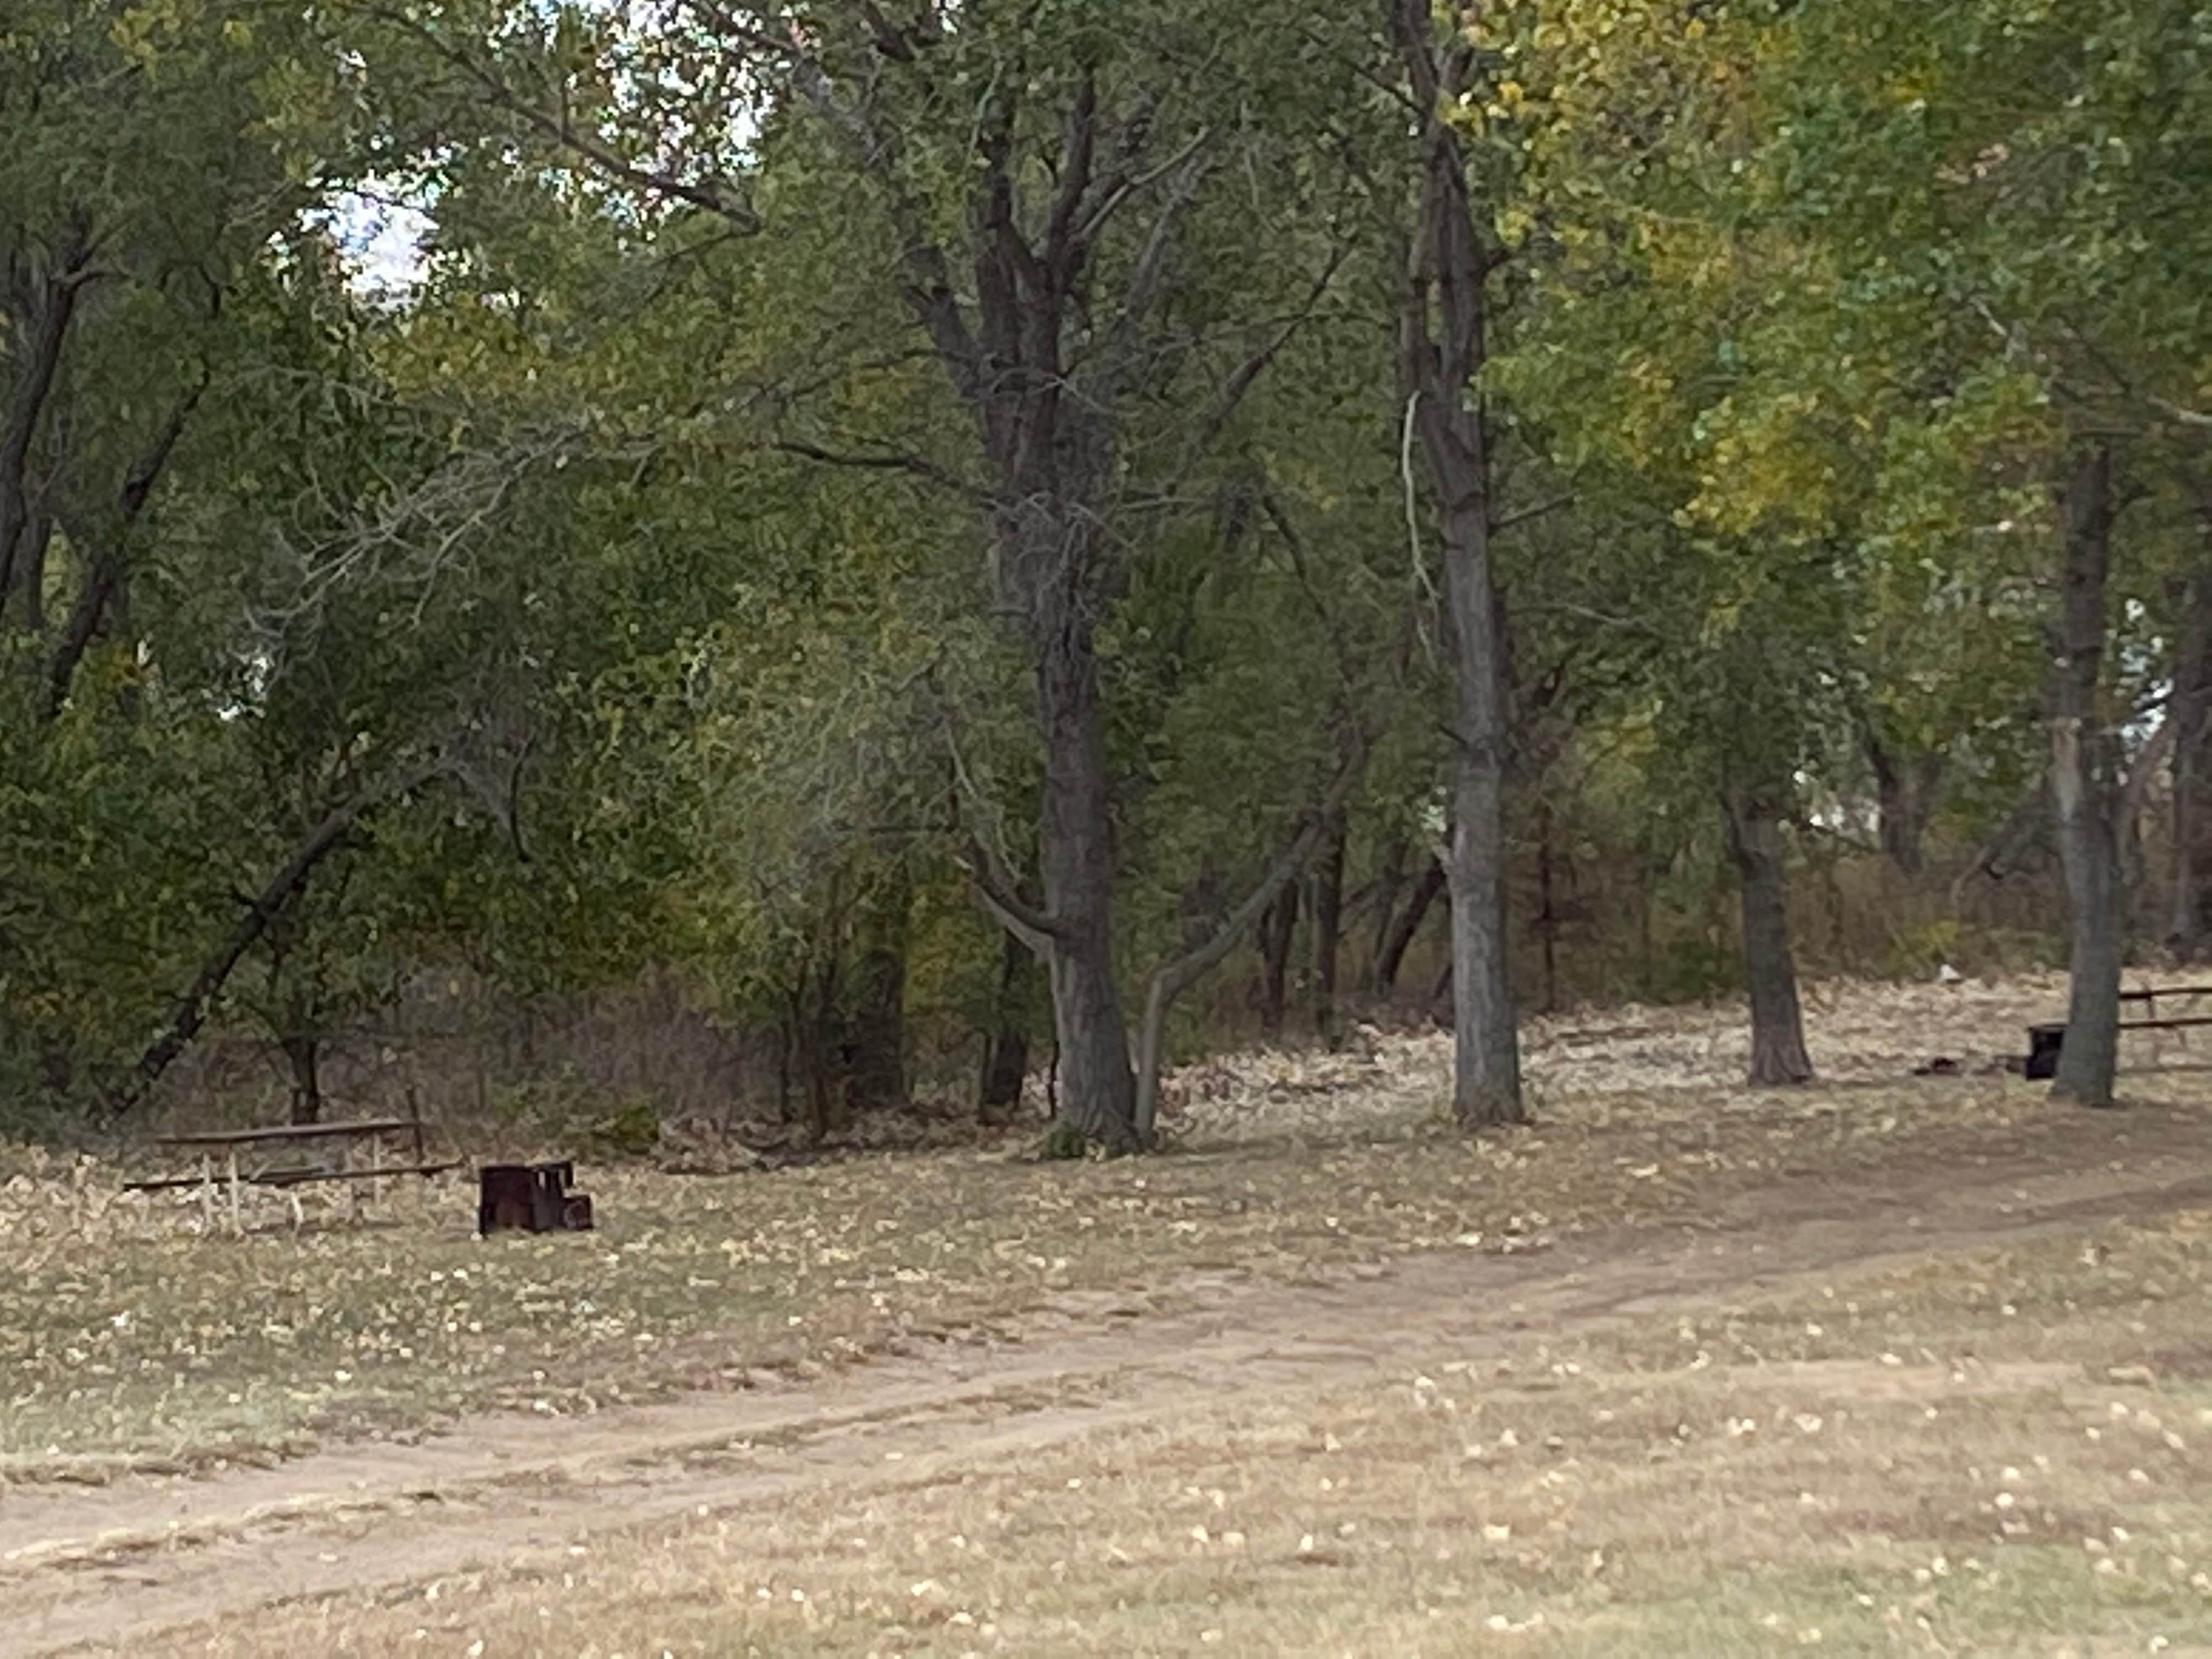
[(284, 1132), (296, 1177)]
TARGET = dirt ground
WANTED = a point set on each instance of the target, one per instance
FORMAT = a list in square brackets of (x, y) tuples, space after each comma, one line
[(1144, 1466)]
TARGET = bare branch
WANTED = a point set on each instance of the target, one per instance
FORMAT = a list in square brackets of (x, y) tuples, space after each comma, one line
[(1248, 372), (1171, 979), (988, 878), (1543, 509), (886, 461), (1189, 166), (191, 1009)]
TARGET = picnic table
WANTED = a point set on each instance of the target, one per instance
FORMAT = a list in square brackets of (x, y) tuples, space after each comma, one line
[(2045, 1041), (270, 1156)]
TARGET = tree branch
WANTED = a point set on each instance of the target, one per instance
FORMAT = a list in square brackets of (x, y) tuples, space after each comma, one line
[(885, 461), (1543, 509), (189, 1012), (105, 561), (1172, 978), (41, 362), (714, 193)]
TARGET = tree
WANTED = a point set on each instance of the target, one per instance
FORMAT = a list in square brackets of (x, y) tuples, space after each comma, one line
[(1025, 182), (1445, 350)]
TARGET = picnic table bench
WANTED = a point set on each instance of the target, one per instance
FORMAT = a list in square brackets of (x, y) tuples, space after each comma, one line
[(238, 1158), (2045, 1041)]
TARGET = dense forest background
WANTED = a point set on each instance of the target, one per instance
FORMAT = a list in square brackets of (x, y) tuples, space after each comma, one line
[(726, 560)]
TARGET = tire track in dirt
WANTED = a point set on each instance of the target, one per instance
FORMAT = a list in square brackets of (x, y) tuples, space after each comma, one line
[(98, 1568)]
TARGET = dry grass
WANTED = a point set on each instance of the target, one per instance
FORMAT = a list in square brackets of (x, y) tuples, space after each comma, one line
[(1978, 1455), (133, 1334)]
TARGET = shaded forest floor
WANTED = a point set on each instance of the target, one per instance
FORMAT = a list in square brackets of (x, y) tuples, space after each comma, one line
[(1682, 1368)]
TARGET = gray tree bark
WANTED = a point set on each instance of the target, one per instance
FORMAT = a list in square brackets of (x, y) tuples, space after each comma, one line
[(1753, 822), (1443, 347), (2085, 788)]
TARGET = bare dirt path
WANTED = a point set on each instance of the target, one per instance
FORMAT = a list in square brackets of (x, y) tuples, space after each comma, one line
[(99, 1567)]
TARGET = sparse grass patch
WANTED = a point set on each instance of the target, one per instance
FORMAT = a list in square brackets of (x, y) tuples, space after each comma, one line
[(134, 1333), (1601, 1498)]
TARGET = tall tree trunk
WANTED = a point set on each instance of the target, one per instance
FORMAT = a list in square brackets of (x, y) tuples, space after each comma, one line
[(1406, 927), (1443, 347), (1097, 1089), (2084, 789), (1328, 927), (1754, 819), (1006, 1044), (2192, 850), (1279, 928), (1486, 1060)]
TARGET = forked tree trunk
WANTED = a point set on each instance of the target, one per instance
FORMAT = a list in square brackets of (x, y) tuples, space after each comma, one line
[(1328, 927), (1172, 979), (1753, 820), (1443, 346), (2085, 791)]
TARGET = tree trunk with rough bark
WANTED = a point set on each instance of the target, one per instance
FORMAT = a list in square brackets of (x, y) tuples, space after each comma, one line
[(1753, 822), (2085, 789), (1097, 1089), (1443, 347)]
